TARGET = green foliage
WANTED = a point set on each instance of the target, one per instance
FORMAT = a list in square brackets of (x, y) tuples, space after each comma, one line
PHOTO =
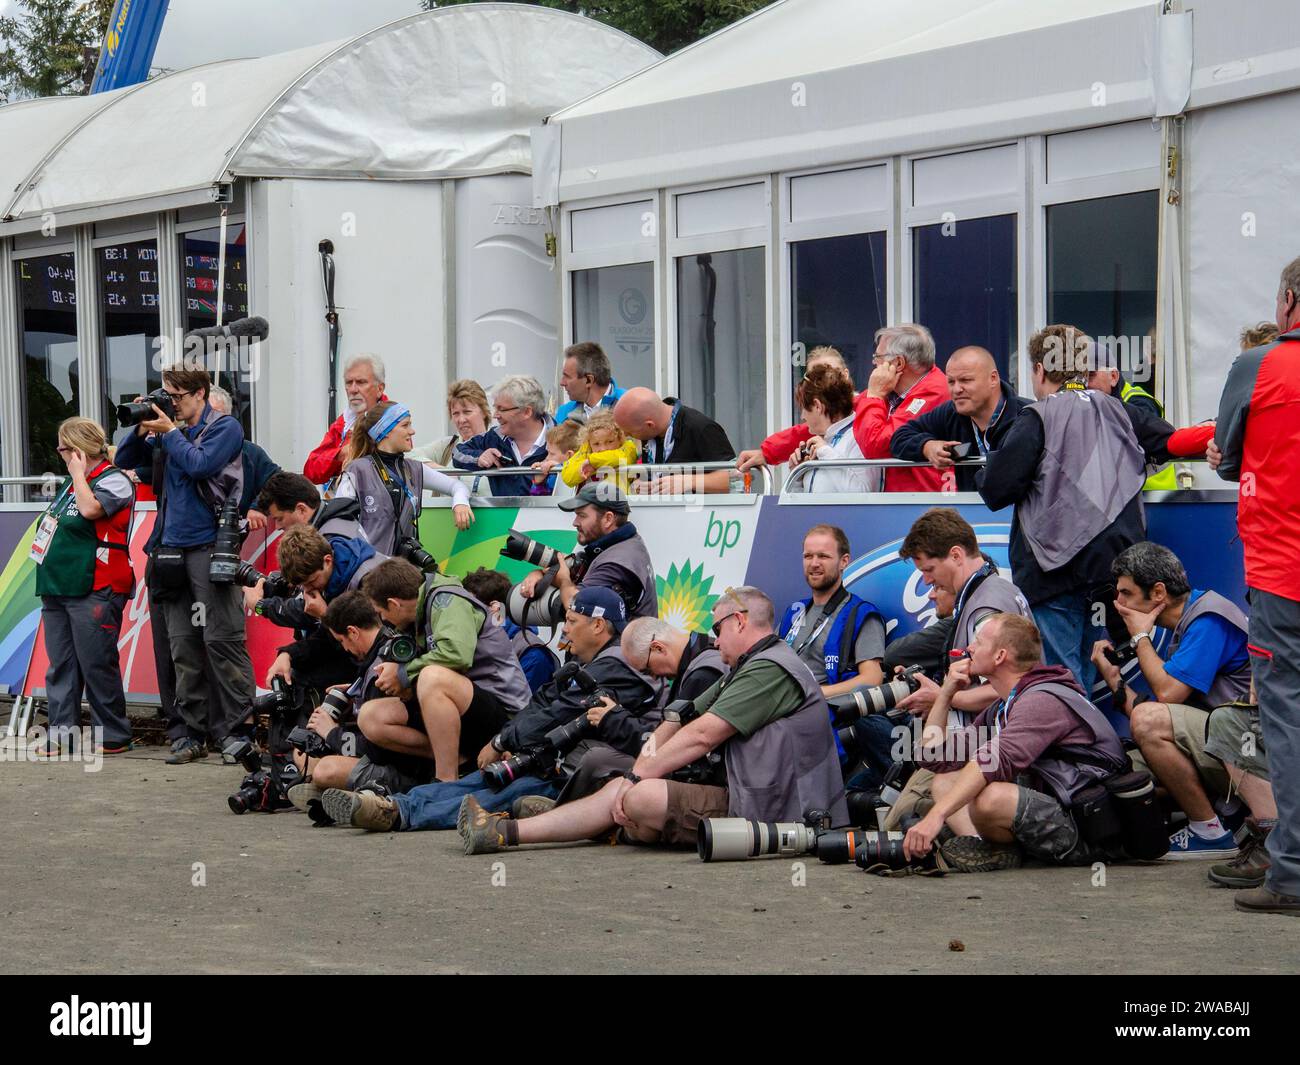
[(663, 24), (51, 46)]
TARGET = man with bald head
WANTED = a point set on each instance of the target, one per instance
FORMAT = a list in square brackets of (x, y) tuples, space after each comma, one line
[(670, 431), (980, 412)]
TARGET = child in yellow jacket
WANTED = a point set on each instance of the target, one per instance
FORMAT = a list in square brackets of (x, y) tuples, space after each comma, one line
[(604, 447)]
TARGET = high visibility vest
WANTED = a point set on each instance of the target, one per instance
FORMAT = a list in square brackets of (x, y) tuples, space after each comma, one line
[(1164, 479), (79, 543)]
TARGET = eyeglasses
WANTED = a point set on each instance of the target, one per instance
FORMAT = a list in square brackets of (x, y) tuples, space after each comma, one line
[(65, 450), (173, 396), (717, 625), (504, 410)]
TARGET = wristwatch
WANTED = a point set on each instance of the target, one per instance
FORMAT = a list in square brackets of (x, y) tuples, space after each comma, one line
[(629, 775), (1138, 636), (496, 744)]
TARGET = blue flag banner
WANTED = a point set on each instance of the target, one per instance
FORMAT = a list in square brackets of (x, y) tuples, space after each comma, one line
[(126, 52)]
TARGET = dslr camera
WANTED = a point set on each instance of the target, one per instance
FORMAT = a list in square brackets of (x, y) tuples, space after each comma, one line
[(399, 647), (135, 413), (409, 548), (276, 587), (726, 839)]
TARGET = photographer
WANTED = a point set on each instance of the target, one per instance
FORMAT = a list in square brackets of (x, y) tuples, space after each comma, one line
[(203, 467), (390, 486), (538, 661), (592, 628), (780, 752), (1012, 777), (1208, 666), (450, 700), (611, 553), (323, 569)]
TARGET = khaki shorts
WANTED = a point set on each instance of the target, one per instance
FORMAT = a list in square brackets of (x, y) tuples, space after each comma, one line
[(1190, 728), (915, 800), (1235, 738), (688, 805)]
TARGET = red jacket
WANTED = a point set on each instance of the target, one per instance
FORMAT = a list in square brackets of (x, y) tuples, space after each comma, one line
[(1259, 435), (873, 427), (324, 462)]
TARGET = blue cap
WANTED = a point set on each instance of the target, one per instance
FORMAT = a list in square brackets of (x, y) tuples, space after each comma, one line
[(601, 603)]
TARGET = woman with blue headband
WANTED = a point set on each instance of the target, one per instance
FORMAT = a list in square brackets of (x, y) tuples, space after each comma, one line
[(377, 473)]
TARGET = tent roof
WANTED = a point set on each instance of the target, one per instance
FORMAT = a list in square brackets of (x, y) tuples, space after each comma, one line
[(446, 93), (806, 83)]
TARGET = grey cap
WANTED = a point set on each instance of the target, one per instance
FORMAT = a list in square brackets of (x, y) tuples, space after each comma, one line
[(601, 494)]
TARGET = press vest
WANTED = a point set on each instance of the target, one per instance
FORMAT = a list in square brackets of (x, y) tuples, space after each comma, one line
[(334, 519), (1164, 479), (1227, 687), (790, 765), (495, 668), (632, 555), (991, 594), (845, 627), (69, 567), (710, 658), (1067, 770), (229, 483), (1092, 467), (382, 525)]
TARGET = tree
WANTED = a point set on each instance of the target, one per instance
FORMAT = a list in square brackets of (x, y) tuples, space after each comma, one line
[(663, 24), (50, 49)]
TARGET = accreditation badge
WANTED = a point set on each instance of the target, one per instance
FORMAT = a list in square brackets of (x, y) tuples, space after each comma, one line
[(44, 534)]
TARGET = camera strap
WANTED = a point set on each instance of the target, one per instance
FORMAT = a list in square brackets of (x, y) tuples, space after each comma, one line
[(828, 615)]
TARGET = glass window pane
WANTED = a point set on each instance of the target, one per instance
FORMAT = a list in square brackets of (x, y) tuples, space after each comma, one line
[(615, 307), (128, 286), (199, 258), (839, 298), (721, 340), (47, 288), (964, 286), (1101, 270)]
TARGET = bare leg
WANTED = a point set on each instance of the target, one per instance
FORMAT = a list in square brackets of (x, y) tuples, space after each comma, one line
[(383, 723), (573, 820), (332, 771), (960, 820), (444, 696), (1153, 729), (1258, 794), (993, 810)]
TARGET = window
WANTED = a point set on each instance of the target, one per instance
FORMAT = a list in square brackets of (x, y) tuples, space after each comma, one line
[(199, 257), (838, 294), (615, 307), (1101, 269), (47, 287), (128, 286), (964, 284), (721, 344)]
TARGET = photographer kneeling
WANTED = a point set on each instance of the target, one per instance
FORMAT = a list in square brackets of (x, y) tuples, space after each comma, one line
[(609, 721), (611, 553), (780, 752)]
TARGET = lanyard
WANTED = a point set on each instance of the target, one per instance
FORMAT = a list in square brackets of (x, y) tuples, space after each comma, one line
[(981, 438), (661, 449), (977, 578), (828, 615), (1000, 715), (392, 484)]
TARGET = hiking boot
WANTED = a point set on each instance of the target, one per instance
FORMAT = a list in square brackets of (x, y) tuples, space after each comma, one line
[(301, 794), (1264, 900), (974, 854), (361, 809), (1248, 869), (480, 829), (529, 806), (186, 750)]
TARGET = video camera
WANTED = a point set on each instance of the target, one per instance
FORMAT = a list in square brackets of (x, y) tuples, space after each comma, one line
[(541, 759), (135, 413)]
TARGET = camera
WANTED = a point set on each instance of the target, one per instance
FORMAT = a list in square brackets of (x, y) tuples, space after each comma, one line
[(520, 548), (262, 793), (876, 698), (281, 698), (338, 704), (546, 611), (276, 586), (135, 413), (310, 743), (727, 839), (396, 647), (225, 563), (413, 551)]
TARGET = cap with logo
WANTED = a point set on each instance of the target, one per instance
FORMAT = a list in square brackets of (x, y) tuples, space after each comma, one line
[(601, 603)]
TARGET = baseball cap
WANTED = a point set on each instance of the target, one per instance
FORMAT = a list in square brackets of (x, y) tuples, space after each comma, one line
[(598, 494), (601, 603)]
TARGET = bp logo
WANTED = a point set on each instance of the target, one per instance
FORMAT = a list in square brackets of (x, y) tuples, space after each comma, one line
[(632, 306), (684, 599), (895, 585)]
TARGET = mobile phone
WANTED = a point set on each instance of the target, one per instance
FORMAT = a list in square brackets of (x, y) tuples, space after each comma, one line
[(958, 451)]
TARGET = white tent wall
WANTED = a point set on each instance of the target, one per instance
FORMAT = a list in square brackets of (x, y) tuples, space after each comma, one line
[(389, 291), (1242, 197)]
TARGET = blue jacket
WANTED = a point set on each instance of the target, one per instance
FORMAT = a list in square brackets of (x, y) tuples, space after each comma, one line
[(465, 457), (187, 521), (348, 555), (608, 400), (258, 468)]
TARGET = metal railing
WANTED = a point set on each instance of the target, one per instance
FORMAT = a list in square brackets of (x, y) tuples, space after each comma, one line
[(637, 472), (794, 481)]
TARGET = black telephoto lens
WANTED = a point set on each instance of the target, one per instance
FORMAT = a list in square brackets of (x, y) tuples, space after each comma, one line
[(224, 567)]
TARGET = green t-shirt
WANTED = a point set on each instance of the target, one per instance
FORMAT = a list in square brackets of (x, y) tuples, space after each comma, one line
[(762, 692)]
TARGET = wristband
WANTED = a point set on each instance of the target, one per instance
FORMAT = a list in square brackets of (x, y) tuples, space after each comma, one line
[(629, 775)]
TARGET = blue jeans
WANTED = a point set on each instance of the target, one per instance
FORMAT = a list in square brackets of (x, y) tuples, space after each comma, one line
[(1068, 635), (875, 739), (436, 805)]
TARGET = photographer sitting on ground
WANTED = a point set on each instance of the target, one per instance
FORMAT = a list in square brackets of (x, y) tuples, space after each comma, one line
[(1208, 666), (592, 628), (457, 694), (537, 660), (611, 553), (780, 752), (1012, 776)]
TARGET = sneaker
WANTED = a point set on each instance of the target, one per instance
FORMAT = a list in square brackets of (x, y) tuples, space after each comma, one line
[(301, 794), (117, 746), (529, 806), (1264, 900), (47, 751), (480, 829), (1186, 844), (1248, 868), (186, 750), (973, 854), (361, 809)]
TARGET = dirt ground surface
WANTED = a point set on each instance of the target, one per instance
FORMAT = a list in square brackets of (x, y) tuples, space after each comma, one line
[(141, 868)]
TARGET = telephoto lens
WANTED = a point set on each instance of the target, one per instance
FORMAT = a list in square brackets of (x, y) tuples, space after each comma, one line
[(880, 848), (499, 775), (838, 846), (546, 611), (875, 698), (732, 839), (135, 413), (522, 549), (224, 567), (338, 704)]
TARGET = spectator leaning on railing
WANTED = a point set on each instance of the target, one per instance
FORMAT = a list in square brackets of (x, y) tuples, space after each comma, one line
[(587, 379), (518, 438), (363, 381), (781, 445), (825, 397), (672, 432)]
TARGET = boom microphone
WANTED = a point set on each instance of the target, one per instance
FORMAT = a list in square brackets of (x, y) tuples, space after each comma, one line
[(255, 328)]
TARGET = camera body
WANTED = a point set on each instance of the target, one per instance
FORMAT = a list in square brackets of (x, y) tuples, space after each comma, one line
[(281, 699), (276, 587), (399, 647), (413, 551), (135, 413), (310, 743), (261, 791)]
